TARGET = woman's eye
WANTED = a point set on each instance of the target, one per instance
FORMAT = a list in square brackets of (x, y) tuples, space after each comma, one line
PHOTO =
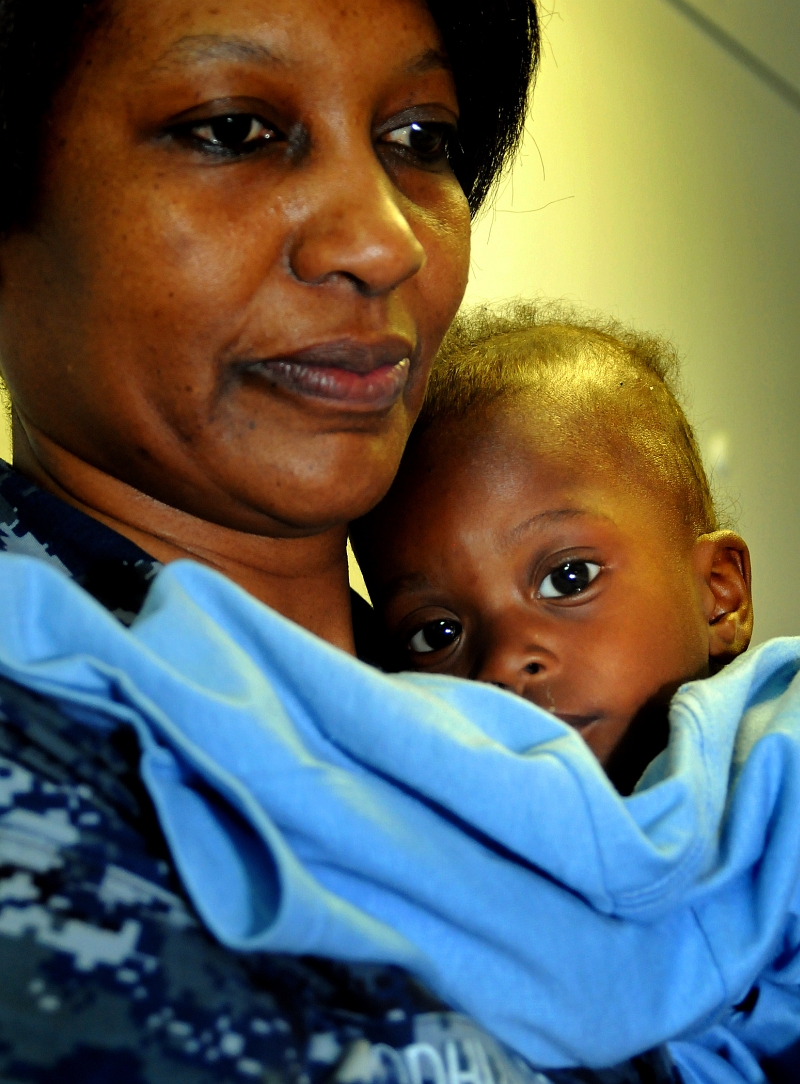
[(435, 635), (568, 579), (232, 134), (427, 141)]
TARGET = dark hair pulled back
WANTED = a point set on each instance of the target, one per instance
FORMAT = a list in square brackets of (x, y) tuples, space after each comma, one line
[(493, 46)]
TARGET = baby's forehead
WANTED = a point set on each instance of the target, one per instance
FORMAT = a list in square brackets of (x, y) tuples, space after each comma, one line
[(538, 438), (571, 407)]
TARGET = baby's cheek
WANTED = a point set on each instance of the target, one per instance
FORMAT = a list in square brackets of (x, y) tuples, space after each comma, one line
[(604, 736)]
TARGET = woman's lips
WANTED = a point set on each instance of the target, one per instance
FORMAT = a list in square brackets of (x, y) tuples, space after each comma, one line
[(378, 388), (345, 374)]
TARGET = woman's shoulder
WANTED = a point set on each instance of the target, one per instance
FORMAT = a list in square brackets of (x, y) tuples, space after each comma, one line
[(109, 974), (107, 970)]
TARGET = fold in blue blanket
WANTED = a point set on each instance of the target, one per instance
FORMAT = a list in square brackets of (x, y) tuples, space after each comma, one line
[(314, 805)]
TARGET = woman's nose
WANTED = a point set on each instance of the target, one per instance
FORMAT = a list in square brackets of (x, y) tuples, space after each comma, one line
[(357, 231)]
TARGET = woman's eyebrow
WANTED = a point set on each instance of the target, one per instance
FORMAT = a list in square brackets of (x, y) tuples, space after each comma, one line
[(430, 60), (204, 47)]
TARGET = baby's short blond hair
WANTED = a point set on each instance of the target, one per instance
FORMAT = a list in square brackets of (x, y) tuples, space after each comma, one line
[(610, 391)]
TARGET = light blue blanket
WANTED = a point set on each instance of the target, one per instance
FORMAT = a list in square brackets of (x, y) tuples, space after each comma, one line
[(444, 825)]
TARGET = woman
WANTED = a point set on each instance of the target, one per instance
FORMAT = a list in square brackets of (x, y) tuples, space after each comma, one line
[(234, 236)]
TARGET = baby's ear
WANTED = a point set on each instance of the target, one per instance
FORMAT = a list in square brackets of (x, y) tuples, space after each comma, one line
[(722, 560)]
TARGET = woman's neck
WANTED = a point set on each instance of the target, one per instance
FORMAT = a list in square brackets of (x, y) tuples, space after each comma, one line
[(304, 578)]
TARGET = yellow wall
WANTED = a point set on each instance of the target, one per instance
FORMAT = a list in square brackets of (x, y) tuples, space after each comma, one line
[(659, 183), (5, 426)]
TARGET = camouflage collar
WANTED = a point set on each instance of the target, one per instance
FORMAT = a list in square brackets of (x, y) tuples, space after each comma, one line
[(37, 524), (113, 570)]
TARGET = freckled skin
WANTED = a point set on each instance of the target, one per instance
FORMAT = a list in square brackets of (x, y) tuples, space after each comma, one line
[(485, 509), (154, 273)]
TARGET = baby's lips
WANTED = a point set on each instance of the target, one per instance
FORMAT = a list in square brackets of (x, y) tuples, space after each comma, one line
[(579, 722)]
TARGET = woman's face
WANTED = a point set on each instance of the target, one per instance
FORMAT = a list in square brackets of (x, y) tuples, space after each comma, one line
[(248, 246)]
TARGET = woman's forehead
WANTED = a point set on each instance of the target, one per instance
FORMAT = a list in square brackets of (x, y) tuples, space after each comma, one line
[(272, 32)]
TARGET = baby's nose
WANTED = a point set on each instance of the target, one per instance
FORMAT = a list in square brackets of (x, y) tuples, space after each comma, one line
[(523, 670)]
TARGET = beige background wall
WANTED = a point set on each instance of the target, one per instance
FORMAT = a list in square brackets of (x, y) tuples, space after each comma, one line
[(5, 430), (659, 182)]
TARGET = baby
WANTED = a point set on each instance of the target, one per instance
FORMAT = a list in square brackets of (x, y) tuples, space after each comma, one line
[(552, 530)]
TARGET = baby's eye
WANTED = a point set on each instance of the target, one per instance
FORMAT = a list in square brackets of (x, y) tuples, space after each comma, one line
[(435, 635), (568, 579)]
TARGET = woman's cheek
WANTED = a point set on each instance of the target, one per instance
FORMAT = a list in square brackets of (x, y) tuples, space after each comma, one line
[(444, 232), (450, 225)]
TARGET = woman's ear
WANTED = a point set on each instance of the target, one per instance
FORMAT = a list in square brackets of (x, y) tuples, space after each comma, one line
[(722, 561)]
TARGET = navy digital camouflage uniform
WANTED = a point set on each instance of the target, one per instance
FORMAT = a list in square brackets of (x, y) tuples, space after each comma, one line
[(106, 973)]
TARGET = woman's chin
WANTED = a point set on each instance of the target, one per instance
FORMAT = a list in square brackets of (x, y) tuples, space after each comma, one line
[(293, 498)]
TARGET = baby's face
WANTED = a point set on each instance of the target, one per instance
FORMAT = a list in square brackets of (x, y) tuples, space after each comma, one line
[(498, 559)]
